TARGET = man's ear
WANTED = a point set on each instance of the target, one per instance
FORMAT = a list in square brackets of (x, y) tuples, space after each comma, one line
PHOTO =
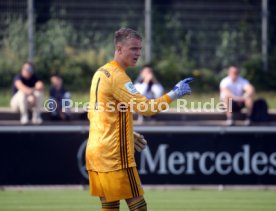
[(119, 48)]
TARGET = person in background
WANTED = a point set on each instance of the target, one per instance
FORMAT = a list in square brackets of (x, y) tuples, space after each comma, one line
[(27, 94), (60, 96), (236, 93), (148, 85)]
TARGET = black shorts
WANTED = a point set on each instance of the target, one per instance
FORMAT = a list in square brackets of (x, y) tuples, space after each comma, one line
[(237, 106)]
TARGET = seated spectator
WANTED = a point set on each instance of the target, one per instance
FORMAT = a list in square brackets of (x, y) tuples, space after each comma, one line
[(27, 94), (148, 85), (236, 93), (61, 97)]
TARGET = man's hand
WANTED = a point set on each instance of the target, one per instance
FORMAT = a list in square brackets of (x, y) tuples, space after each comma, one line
[(139, 142), (181, 88), (29, 91)]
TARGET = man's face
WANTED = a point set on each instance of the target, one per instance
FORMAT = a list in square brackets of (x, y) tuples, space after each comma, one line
[(25, 71), (233, 73), (130, 51), (56, 82)]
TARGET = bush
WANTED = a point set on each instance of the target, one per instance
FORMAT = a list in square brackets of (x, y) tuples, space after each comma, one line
[(236, 46), (14, 50), (172, 66), (59, 49), (255, 74), (76, 55)]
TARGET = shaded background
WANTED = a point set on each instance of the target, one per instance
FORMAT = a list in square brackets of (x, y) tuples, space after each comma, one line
[(188, 37)]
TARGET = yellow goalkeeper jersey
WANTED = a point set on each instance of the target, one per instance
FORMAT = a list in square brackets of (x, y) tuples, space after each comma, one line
[(113, 97)]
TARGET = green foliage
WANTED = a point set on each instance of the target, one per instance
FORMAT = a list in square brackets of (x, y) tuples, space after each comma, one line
[(59, 48), (226, 51), (76, 55), (235, 46), (14, 50), (52, 40), (255, 74), (173, 65), (205, 80), (171, 51)]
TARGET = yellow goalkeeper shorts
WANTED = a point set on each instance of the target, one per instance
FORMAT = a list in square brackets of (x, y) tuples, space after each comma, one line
[(115, 185)]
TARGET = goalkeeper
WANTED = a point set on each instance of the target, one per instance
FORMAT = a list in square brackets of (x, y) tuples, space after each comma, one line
[(110, 149)]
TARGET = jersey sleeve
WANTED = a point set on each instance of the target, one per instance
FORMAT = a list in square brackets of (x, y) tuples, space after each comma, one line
[(124, 91)]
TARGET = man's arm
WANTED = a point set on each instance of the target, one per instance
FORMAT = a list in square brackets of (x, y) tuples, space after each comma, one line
[(124, 91), (140, 103), (21, 87), (249, 91), (228, 94)]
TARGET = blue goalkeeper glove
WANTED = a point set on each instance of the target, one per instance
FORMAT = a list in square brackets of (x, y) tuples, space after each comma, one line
[(181, 88)]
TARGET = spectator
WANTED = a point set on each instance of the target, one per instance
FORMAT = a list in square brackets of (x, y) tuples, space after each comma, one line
[(27, 94), (61, 97), (236, 93), (148, 85)]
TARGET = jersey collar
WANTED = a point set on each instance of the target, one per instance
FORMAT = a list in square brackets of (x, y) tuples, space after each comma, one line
[(116, 64)]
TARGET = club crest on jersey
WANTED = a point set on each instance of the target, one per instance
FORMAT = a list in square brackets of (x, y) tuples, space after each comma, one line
[(131, 88)]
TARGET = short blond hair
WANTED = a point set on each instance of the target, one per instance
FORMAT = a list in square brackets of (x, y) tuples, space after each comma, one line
[(124, 34)]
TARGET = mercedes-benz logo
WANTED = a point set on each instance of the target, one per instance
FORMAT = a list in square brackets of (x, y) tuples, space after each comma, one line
[(81, 160)]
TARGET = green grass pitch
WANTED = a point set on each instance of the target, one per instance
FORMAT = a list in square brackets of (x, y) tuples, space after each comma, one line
[(157, 200)]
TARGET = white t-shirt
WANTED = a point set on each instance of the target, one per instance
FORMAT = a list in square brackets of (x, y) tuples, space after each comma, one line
[(236, 87), (155, 91)]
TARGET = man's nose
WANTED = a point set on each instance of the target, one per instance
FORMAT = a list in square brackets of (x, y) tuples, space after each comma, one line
[(138, 53)]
